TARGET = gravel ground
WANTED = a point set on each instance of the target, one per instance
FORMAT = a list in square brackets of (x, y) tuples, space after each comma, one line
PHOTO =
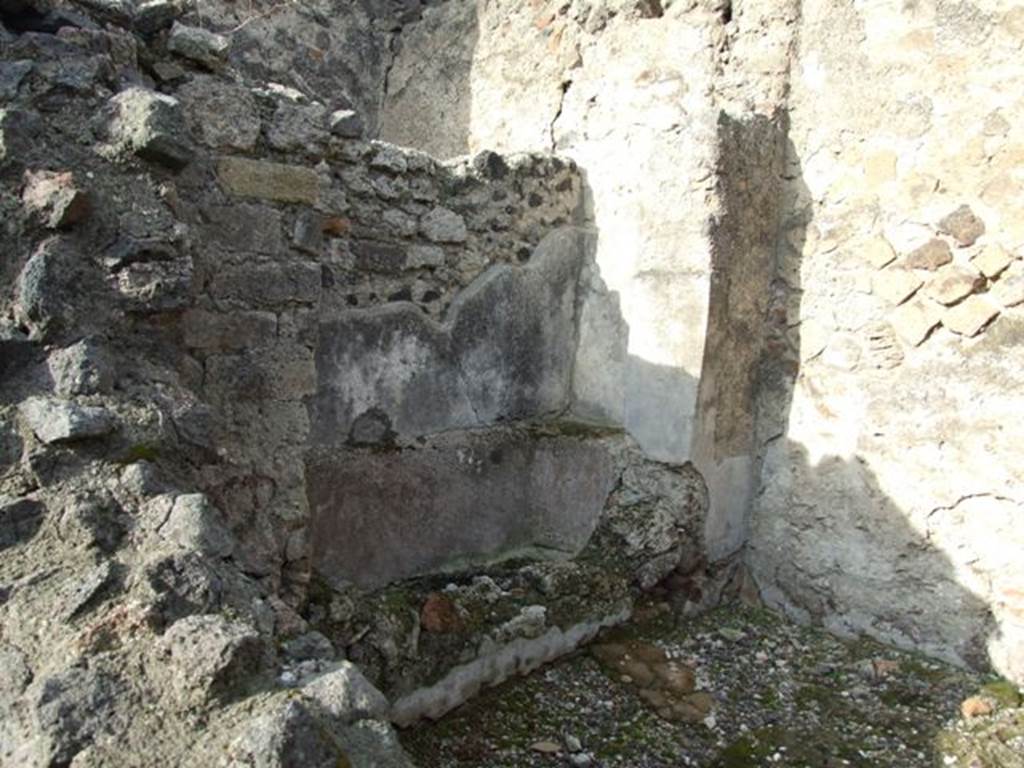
[(780, 695)]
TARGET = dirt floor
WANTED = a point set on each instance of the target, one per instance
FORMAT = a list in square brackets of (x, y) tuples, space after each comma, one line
[(732, 688)]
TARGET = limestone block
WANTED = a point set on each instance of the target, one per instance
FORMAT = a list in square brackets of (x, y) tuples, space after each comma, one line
[(992, 260), (268, 181), (970, 316), (952, 283), (308, 233), (1009, 291), (878, 252), (879, 168), (389, 158), (963, 225), (895, 285), (151, 125), (932, 255), (914, 320), (199, 45), (54, 199), (53, 421)]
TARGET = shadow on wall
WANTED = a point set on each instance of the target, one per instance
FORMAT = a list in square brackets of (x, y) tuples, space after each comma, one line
[(829, 562), (851, 560)]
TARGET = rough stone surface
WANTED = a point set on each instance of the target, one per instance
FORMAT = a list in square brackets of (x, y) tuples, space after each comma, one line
[(199, 45), (896, 285), (969, 317), (150, 124), (992, 260), (83, 368), (453, 503), (915, 320), (633, 338), (953, 283), (53, 421), (345, 694), (55, 199), (209, 655), (963, 225), (932, 255), (268, 181)]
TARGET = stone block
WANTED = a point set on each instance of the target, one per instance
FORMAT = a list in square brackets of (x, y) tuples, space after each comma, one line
[(952, 283), (932, 255), (151, 125), (244, 228), (895, 285), (419, 256), (54, 421), (389, 158), (1009, 291), (69, 709), (963, 225), (220, 114), (346, 123), (280, 373), (12, 73), (298, 128), (992, 260), (268, 181), (914, 320), (375, 256), (878, 253), (18, 131), (441, 225), (308, 232), (54, 199), (345, 694), (269, 284), (970, 316), (209, 655), (461, 499), (203, 329), (194, 524), (198, 45), (153, 15), (83, 368)]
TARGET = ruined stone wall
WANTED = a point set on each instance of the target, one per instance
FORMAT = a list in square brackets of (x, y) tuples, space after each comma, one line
[(891, 490), (673, 113), (777, 190), (256, 370)]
